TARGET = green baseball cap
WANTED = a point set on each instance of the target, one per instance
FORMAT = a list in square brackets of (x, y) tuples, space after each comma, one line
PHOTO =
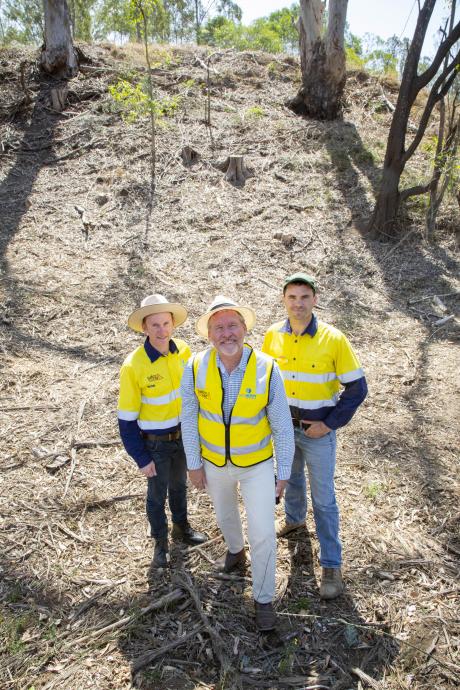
[(300, 278)]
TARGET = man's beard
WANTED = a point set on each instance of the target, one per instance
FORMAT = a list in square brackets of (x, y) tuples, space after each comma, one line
[(229, 348)]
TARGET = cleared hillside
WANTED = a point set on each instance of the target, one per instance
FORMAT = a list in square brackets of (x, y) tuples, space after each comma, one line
[(74, 550)]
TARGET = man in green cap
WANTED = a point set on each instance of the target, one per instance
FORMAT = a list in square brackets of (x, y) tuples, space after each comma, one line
[(315, 360)]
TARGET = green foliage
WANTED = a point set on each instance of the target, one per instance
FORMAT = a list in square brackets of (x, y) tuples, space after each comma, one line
[(284, 23), (11, 631), (80, 12), (273, 34), (286, 663), (353, 60), (373, 490), (254, 112), (132, 101), (23, 21)]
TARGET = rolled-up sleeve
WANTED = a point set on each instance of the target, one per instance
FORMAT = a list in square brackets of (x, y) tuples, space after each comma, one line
[(279, 416), (189, 419)]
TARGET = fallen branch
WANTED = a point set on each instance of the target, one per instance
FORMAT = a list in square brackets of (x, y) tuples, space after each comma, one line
[(217, 642), (366, 679), (147, 658), (165, 600)]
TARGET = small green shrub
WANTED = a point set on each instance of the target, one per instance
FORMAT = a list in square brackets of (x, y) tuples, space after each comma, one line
[(132, 101), (373, 490), (253, 113)]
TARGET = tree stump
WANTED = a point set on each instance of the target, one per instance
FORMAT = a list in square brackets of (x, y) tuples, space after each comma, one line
[(59, 98), (235, 170), (189, 156)]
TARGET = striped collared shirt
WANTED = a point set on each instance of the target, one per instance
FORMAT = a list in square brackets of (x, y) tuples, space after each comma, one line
[(278, 413)]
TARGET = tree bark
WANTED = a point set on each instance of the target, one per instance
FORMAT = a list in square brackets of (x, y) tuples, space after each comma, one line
[(58, 56), (322, 60), (235, 170)]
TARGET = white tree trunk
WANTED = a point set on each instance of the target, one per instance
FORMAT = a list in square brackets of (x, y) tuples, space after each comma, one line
[(58, 56), (335, 38), (310, 23), (322, 59)]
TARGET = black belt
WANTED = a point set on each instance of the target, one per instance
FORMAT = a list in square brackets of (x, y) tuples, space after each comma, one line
[(296, 423), (173, 436)]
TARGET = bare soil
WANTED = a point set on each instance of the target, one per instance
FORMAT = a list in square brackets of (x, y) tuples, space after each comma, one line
[(76, 591)]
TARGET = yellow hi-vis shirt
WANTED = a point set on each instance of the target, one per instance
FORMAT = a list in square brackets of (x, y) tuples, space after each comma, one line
[(150, 391), (245, 439), (312, 367)]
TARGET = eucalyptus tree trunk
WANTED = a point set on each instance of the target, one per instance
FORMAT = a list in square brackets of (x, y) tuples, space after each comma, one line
[(399, 151), (322, 59), (58, 55)]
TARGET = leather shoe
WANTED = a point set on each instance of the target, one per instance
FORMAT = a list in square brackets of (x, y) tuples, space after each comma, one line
[(183, 531), (230, 561), (331, 583), (160, 553), (265, 616), (285, 528)]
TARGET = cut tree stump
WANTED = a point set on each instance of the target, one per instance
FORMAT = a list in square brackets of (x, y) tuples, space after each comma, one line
[(59, 98), (235, 170), (189, 156)]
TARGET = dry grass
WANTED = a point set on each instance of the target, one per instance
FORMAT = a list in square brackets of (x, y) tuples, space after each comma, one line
[(77, 597)]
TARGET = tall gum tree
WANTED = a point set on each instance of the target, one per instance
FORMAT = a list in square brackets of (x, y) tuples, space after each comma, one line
[(58, 56), (322, 59), (438, 80)]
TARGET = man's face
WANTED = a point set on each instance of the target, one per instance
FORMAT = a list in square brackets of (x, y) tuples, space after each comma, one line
[(299, 301), (226, 331), (158, 328)]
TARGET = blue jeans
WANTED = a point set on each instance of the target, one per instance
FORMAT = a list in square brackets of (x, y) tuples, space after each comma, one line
[(318, 454), (171, 481)]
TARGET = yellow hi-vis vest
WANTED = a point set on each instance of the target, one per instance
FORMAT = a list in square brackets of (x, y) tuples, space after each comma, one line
[(245, 439), (150, 391)]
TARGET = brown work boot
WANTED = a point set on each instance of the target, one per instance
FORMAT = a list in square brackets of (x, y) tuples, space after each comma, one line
[(285, 528), (331, 583), (265, 616), (230, 561)]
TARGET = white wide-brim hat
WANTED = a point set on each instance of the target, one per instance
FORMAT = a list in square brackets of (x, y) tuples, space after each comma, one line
[(222, 303), (156, 304)]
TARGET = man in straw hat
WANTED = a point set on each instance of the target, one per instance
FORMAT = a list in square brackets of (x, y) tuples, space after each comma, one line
[(149, 409), (315, 359), (234, 402)]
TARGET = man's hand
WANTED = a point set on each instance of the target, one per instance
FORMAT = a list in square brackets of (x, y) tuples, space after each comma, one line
[(198, 478), (280, 487), (149, 470), (316, 429)]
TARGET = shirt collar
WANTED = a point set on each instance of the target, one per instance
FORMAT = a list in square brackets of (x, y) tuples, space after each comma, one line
[(153, 354), (309, 330)]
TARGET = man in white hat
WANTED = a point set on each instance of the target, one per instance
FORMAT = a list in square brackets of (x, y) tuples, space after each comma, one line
[(233, 404), (149, 409)]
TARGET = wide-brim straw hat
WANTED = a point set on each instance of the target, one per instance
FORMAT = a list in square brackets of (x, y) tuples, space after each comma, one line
[(222, 303), (156, 304)]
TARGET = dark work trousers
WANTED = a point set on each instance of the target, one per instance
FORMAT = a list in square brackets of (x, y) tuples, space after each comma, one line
[(171, 481)]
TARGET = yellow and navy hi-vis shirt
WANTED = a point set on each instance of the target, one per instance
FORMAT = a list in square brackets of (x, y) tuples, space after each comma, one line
[(314, 365), (246, 438), (149, 399)]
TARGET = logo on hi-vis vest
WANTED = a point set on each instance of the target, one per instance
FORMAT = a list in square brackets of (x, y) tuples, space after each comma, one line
[(248, 395), (203, 394), (155, 377)]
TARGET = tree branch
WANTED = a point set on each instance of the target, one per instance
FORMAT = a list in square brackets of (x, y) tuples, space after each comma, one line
[(415, 191), (433, 98), (424, 78)]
